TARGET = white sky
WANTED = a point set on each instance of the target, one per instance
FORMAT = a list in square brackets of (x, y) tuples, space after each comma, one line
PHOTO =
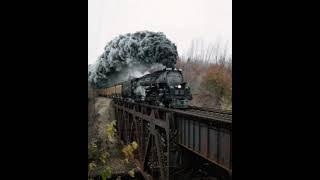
[(180, 20)]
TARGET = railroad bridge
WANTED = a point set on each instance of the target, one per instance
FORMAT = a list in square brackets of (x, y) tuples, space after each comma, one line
[(177, 144)]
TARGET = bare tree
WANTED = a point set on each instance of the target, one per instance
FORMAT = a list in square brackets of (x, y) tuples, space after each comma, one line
[(210, 53), (208, 66)]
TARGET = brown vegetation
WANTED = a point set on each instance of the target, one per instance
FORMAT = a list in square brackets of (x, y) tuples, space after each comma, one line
[(105, 156), (209, 74)]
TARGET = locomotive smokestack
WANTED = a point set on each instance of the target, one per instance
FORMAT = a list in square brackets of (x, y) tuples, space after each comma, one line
[(127, 53)]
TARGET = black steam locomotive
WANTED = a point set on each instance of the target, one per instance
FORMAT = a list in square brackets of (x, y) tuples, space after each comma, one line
[(161, 88)]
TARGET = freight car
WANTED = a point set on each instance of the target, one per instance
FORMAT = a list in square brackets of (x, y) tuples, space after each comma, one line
[(162, 88)]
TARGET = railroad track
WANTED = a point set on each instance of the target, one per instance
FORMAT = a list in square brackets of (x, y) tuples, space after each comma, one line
[(210, 113), (215, 113), (211, 110)]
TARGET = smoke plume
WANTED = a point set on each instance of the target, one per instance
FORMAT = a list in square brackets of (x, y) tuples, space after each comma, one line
[(132, 55)]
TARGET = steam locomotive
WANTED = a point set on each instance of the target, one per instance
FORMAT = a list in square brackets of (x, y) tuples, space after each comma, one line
[(161, 88)]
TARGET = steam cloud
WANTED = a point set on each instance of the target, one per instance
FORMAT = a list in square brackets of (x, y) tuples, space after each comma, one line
[(132, 55)]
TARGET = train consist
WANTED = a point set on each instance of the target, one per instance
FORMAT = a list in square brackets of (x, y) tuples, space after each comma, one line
[(161, 88)]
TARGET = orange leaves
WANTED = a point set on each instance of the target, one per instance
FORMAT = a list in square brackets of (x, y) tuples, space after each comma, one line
[(218, 80), (211, 83)]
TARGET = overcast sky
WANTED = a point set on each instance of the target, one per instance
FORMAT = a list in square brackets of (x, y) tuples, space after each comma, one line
[(180, 20)]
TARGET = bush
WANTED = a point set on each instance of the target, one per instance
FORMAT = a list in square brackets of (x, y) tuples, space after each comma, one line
[(209, 74)]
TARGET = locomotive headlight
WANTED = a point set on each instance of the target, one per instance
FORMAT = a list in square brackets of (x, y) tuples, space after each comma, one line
[(179, 86)]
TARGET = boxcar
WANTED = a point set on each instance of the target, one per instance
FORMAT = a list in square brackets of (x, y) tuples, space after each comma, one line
[(118, 90)]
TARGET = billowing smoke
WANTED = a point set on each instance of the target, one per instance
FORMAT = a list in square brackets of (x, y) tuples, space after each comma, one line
[(132, 55)]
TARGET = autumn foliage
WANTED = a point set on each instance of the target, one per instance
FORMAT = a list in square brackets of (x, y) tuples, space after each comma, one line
[(211, 83), (210, 79)]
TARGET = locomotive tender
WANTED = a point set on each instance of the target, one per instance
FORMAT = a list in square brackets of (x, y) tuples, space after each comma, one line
[(161, 88)]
